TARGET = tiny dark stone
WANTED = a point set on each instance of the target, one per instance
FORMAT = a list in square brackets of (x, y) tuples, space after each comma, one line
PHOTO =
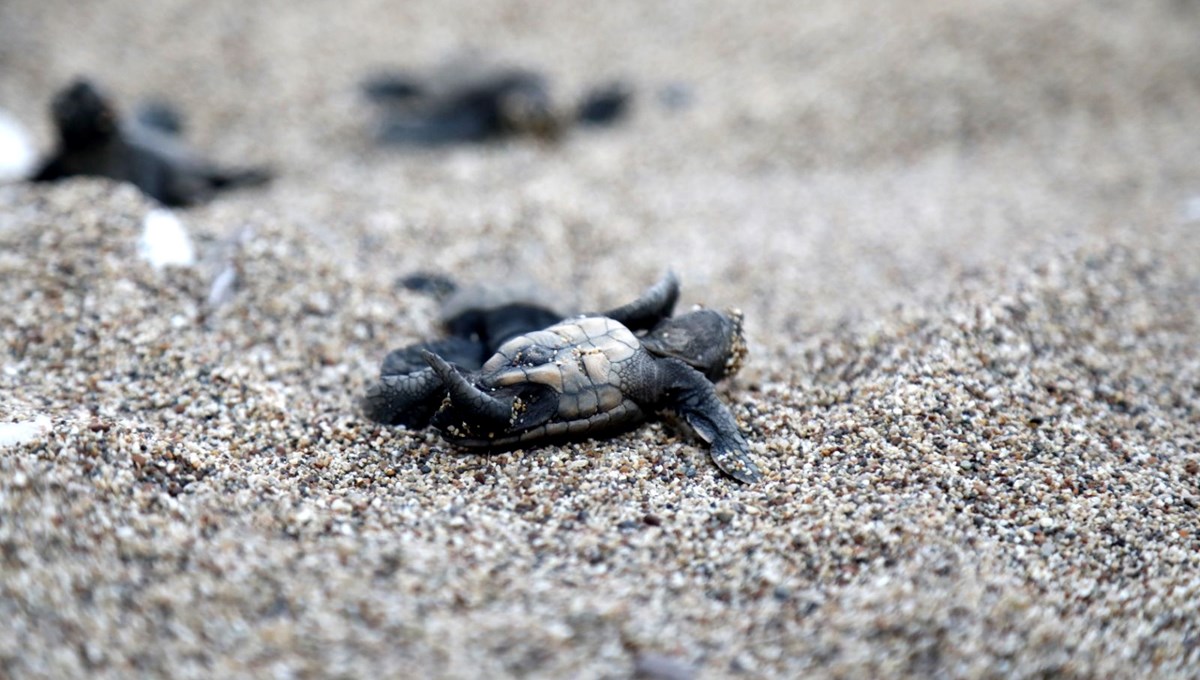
[(653, 520)]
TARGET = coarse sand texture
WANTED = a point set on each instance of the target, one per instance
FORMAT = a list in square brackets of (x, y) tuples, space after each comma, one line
[(965, 238)]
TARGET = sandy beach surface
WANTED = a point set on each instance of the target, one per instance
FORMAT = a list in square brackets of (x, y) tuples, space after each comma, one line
[(966, 238)]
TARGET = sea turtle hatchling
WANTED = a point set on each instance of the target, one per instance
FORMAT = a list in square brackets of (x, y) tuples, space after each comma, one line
[(466, 101), (582, 377), (145, 151)]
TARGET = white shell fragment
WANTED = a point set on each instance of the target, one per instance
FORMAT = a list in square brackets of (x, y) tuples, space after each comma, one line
[(15, 434), (165, 241)]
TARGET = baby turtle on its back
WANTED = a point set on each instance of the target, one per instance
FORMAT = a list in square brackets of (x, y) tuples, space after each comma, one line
[(92, 140), (581, 377)]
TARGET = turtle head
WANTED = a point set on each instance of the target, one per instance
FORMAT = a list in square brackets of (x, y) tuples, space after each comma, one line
[(83, 115), (709, 341)]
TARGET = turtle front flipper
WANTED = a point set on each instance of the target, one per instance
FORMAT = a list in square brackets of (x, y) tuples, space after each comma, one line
[(485, 411), (691, 396), (408, 399), (463, 352), (656, 304), (187, 181), (232, 178), (409, 391)]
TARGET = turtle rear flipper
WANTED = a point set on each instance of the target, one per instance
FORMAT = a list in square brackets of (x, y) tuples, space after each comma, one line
[(656, 304), (691, 396), (407, 399)]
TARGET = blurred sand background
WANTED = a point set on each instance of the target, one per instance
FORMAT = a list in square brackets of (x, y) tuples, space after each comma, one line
[(965, 236)]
